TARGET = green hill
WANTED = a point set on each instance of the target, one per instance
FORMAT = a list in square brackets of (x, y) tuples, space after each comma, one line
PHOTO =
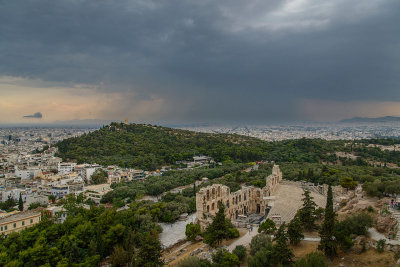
[(149, 147)]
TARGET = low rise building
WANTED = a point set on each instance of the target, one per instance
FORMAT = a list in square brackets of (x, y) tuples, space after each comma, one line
[(19, 221), (96, 192)]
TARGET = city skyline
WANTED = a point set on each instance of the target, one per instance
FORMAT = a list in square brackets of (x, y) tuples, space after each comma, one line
[(209, 62)]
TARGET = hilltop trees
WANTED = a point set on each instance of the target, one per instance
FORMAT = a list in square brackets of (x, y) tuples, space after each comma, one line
[(348, 182)]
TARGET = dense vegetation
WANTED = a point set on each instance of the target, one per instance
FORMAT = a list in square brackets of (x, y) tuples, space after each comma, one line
[(156, 185), (85, 239), (150, 147)]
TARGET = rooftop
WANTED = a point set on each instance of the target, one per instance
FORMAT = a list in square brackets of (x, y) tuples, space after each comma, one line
[(21, 215)]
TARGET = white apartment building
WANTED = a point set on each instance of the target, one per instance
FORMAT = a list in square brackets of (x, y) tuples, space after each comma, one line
[(66, 167)]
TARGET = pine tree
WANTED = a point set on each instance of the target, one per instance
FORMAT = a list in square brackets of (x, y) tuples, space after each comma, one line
[(306, 213), (149, 254), (282, 254), (218, 229), (20, 203), (328, 243)]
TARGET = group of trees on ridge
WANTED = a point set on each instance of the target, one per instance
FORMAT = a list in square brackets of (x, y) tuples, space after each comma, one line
[(150, 147)]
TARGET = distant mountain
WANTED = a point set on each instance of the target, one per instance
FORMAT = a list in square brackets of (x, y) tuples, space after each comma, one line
[(371, 120)]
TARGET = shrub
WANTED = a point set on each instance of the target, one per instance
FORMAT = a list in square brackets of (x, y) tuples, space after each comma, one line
[(224, 258), (267, 227), (370, 209), (380, 246), (233, 233), (313, 259), (192, 231), (240, 252), (259, 242)]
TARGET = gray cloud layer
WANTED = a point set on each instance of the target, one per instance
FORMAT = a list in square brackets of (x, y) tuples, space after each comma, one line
[(210, 60)]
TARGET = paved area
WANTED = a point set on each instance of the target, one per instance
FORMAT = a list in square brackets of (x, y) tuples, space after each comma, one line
[(288, 199), (375, 235), (244, 240)]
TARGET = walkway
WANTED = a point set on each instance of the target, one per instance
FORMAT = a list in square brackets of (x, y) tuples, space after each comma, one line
[(246, 239), (378, 236)]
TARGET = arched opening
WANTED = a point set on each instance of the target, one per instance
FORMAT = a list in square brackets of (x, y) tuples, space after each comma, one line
[(219, 191), (240, 198), (258, 208), (213, 193), (208, 208), (227, 204), (208, 195), (212, 206), (244, 196), (237, 214), (245, 211)]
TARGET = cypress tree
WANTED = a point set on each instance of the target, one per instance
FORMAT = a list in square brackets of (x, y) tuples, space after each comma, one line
[(20, 203), (328, 243)]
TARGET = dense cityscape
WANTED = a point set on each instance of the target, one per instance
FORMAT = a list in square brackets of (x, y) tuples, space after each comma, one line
[(199, 133)]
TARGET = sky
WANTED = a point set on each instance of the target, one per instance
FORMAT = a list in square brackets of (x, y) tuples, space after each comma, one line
[(181, 61)]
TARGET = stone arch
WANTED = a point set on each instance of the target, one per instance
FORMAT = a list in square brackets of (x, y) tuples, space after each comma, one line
[(213, 206), (219, 191), (236, 200), (240, 198), (208, 208), (208, 195), (258, 194), (213, 193)]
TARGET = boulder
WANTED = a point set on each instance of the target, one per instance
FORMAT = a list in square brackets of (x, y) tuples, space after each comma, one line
[(385, 223)]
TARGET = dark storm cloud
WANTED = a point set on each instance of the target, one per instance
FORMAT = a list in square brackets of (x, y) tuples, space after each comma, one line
[(232, 60), (36, 115)]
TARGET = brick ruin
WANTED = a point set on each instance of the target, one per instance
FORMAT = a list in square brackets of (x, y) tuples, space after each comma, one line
[(239, 204)]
